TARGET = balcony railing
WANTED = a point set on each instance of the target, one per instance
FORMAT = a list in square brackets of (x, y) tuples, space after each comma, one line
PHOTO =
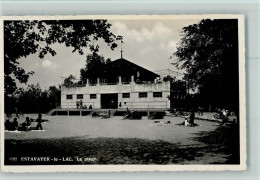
[(125, 82), (112, 83)]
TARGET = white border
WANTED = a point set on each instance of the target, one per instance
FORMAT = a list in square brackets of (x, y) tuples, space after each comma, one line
[(130, 168)]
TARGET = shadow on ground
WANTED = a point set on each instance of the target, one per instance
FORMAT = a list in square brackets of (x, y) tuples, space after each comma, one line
[(223, 141)]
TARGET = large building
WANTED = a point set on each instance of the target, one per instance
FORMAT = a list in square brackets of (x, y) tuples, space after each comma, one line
[(126, 85)]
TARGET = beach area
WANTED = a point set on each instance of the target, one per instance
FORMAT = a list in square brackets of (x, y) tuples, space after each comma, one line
[(88, 140)]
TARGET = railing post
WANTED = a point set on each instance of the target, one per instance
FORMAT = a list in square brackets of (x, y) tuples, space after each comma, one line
[(119, 80), (132, 79), (148, 113)]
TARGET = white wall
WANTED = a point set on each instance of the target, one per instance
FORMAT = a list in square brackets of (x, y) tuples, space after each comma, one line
[(133, 102)]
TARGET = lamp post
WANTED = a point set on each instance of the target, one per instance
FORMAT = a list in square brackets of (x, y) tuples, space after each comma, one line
[(120, 38)]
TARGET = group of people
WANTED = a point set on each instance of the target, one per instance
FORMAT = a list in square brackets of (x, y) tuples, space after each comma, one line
[(132, 115), (11, 126), (24, 126), (189, 121), (80, 105), (222, 114)]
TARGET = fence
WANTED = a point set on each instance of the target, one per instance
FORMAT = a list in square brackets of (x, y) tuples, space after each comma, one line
[(73, 105), (150, 104)]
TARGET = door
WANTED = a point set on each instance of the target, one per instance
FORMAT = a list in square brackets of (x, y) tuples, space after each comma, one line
[(109, 101)]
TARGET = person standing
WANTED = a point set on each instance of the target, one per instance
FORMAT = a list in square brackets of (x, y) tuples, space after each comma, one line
[(81, 104), (109, 113), (16, 113), (192, 117), (39, 120), (200, 111)]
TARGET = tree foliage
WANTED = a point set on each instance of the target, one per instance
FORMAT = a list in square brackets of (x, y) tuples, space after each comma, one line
[(33, 99), (95, 64), (69, 81), (22, 38), (208, 51)]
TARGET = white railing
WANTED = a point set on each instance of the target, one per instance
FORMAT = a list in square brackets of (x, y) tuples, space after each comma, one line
[(136, 105), (125, 82), (73, 105)]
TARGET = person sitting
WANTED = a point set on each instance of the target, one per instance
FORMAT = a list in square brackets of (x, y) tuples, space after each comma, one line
[(28, 122), (14, 125), (8, 125), (90, 106), (23, 127), (94, 114), (156, 115), (135, 115), (225, 114), (186, 122), (127, 114), (106, 116)]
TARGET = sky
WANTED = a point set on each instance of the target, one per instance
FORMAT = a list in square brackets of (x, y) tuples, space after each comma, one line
[(148, 43)]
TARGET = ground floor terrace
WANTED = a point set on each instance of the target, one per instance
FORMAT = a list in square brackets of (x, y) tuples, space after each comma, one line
[(117, 141), (86, 112)]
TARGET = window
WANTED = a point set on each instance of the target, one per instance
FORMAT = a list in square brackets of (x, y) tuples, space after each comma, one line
[(69, 96), (126, 95), (157, 94), (93, 96), (79, 96), (143, 95)]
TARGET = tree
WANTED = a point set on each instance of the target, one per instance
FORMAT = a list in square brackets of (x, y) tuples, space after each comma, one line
[(208, 51), (30, 99), (22, 38), (69, 81), (54, 96), (33, 99), (94, 65)]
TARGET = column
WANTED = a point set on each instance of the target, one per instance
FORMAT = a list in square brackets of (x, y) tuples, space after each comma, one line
[(132, 79), (119, 80), (98, 81)]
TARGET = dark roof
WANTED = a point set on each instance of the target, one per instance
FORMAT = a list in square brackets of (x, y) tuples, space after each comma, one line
[(123, 67)]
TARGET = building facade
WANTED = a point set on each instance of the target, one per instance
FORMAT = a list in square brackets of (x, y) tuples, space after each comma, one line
[(134, 88)]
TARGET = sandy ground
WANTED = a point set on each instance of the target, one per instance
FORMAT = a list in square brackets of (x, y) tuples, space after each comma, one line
[(76, 126), (116, 141)]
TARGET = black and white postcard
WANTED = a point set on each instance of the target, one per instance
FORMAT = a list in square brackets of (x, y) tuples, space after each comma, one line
[(123, 93)]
